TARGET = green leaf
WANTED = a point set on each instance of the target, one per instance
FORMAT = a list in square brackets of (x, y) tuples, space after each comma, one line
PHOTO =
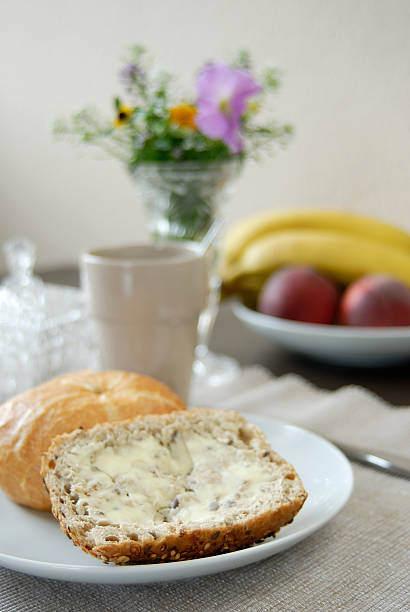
[(243, 60), (271, 78)]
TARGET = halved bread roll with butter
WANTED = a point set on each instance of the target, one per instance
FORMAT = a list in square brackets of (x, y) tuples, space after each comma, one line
[(170, 487), (29, 421)]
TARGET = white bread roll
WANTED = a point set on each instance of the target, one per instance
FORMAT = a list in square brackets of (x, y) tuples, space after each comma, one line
[(29, 421)]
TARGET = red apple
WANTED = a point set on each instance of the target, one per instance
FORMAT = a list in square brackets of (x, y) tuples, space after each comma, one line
[(299, 293), (376, 301)]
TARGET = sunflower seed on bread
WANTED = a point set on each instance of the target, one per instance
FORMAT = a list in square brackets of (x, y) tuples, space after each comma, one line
[(169, 487)]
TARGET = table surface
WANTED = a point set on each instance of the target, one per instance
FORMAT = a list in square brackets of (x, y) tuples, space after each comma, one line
[(356, 562), (232, 338)]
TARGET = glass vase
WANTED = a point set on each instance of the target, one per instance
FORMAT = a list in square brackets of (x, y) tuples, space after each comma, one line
[(183, 201)]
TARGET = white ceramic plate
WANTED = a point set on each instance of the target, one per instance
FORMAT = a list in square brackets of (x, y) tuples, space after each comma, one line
[(339, 344), (31, 541)]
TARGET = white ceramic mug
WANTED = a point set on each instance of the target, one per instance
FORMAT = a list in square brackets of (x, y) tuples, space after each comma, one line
[(145, 301)]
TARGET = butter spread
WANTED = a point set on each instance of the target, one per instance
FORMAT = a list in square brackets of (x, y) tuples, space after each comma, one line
[(221, 476), (144, 481)]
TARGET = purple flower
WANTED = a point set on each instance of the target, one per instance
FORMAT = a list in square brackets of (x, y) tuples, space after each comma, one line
[(130, 74), (127, 73), (222, 95)]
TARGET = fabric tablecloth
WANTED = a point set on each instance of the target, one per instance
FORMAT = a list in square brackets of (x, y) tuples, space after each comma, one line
[(359, 561)]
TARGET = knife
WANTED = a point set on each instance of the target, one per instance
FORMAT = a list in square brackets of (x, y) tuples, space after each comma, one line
[(391, 464)]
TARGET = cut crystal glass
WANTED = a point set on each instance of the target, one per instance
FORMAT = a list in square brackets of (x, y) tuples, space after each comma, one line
[(44, 328)]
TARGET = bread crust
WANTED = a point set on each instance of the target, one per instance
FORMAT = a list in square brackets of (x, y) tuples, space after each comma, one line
[(191, 543), (180, 542), (29, 421)]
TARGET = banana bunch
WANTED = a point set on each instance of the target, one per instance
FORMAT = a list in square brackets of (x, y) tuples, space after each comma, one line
[(341, 245)]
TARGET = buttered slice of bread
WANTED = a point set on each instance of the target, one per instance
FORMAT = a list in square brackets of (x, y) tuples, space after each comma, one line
[(169, 487)]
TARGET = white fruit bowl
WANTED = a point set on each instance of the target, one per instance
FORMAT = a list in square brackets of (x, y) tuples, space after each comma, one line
[(337, 344)]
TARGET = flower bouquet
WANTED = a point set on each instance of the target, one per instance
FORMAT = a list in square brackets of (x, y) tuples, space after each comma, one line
[(184, 151)]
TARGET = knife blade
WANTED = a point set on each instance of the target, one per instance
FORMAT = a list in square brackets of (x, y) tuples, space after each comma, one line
[(396, 465)]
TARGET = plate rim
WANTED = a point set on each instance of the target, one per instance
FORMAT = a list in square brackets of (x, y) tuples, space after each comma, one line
[(140, 574)]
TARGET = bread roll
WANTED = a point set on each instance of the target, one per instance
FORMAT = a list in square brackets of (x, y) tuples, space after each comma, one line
[(29, 421), (170, 487)]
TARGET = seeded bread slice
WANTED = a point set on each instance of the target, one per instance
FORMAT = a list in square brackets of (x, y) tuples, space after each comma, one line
[(169, 487)]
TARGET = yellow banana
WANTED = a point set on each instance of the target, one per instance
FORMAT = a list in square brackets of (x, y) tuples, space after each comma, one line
[(340, 256), (253, 228)]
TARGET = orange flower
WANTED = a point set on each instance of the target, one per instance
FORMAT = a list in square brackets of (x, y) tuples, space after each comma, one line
[(183, 115)]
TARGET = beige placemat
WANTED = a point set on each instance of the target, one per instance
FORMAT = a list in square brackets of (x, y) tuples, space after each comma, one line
[(352, 414), (357, 562)]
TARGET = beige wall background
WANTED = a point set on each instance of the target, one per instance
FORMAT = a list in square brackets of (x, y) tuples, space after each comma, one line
[(346, 89)]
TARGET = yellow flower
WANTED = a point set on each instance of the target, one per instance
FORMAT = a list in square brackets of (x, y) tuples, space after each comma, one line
[(254, 107), (183, 115), (123, 115)]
